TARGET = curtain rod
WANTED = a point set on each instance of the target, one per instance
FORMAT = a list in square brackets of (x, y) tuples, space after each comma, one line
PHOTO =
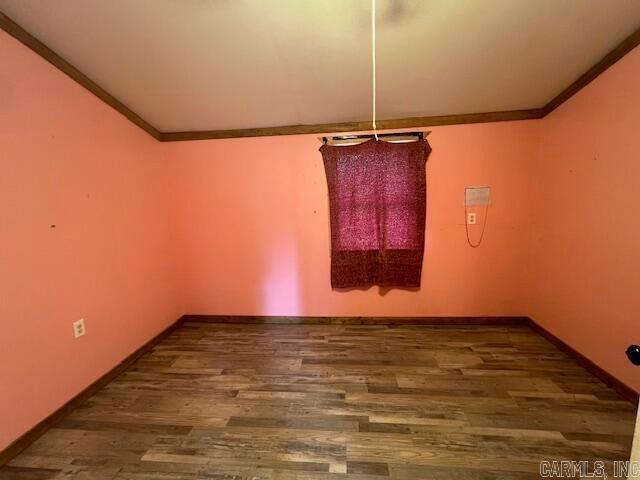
[(400, 136)]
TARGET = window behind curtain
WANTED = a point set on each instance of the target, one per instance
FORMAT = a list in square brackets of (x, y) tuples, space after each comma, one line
[(377, 204)]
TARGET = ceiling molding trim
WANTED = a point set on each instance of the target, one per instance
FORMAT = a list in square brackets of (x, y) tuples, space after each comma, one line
[(399, 123), (624, 47), (24, 37), (20, 34)]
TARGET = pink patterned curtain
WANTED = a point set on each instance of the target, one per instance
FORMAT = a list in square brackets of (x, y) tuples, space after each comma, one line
[(377, 204)]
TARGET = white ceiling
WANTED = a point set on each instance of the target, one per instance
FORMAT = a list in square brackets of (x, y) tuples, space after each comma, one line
[(221, 64)]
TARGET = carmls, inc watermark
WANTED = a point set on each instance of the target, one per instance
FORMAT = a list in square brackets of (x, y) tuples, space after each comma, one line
[(588, 469)]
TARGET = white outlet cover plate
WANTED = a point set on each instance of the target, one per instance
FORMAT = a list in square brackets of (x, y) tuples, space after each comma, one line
[(79, 328)]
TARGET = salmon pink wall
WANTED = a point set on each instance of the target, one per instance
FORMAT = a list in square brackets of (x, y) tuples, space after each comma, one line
[(253, 221), (69, 160), (585, 258)]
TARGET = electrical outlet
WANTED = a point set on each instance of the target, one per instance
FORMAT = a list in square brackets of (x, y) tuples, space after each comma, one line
[(79, 328), (471, 218)]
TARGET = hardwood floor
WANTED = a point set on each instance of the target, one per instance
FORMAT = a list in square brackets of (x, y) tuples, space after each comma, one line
[(316, 402)]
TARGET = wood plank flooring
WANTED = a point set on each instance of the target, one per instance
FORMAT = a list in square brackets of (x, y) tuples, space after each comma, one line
[(326, 402)]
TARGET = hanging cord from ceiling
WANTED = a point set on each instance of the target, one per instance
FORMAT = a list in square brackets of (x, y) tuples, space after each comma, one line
[(373, 64), (403, 137), (466, 226)]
